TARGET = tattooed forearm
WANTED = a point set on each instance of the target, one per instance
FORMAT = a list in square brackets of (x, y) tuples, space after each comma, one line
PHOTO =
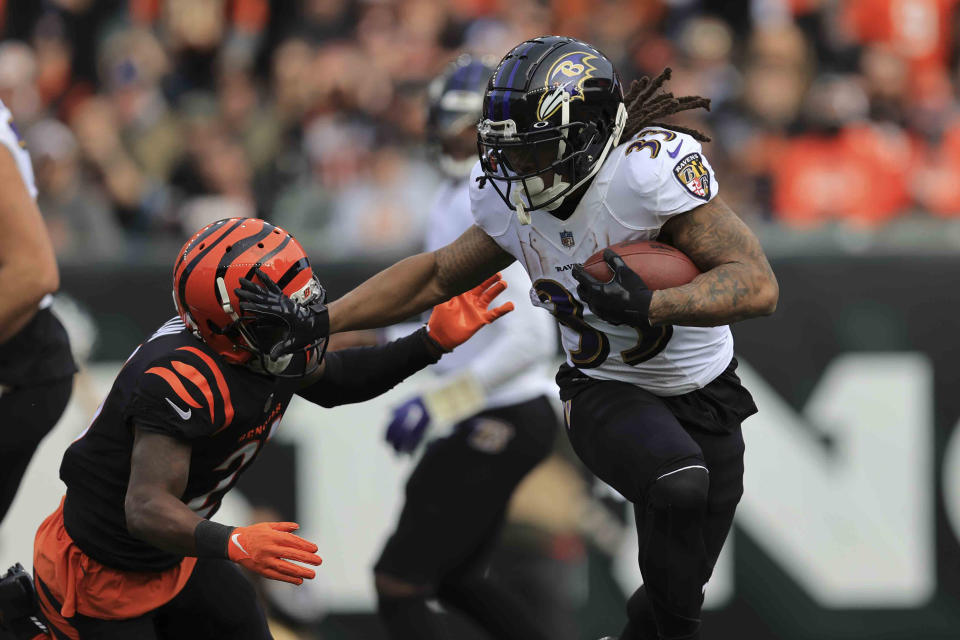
[(419, 282), (468, 261), (737, 282)]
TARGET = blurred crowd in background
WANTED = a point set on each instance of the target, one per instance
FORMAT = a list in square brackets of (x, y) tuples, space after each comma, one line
[(149, 118)]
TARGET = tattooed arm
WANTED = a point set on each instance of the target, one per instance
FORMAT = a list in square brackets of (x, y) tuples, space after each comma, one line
[(419, 282), (737, 282)]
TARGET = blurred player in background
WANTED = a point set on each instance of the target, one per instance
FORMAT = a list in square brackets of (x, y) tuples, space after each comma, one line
[(495, 391), (36, 366), (568, 166), (130, 552)]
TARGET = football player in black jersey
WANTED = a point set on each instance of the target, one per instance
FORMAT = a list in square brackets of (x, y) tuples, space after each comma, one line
[(130, 552), (36, 366)]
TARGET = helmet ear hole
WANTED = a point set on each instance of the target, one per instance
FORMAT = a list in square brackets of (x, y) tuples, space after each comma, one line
[(212, 326)]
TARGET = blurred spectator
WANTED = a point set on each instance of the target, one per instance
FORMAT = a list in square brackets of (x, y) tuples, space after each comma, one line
[(80, 222), (844, 168), (918, 30), (132, 64), (18, 76)]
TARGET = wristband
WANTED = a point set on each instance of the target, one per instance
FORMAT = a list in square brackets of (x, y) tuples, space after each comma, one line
[(212, 539), (434, 348)]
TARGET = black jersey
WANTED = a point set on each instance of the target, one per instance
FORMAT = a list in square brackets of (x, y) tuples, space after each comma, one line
[(39, 352), (176, 385)]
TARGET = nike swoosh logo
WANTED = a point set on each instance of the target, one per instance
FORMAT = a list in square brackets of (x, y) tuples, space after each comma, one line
[(180, 412), (236, 540), (673, 154)]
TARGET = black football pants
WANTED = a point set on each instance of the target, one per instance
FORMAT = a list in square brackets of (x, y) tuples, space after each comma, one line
[(217, 603), (456, 500), (680, 462), (27, 414)]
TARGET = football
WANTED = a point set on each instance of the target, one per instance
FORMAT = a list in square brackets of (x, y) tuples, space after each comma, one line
[(660, 265)]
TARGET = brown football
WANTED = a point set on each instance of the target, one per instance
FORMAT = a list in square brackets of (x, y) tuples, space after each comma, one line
[(660, 265)]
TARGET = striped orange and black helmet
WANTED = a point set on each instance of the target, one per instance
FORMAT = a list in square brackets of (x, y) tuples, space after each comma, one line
[(208, 270)]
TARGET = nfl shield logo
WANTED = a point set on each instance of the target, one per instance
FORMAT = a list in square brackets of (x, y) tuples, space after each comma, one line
[(566, 238)]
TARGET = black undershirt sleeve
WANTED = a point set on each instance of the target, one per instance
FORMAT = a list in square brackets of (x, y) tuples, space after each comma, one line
[(361, 373)]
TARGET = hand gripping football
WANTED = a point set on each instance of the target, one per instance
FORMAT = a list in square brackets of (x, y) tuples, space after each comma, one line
[(660, 265)]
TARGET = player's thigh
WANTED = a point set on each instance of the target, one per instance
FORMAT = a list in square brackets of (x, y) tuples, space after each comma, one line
[(141, 628), (457, 495), (217, 603), (28, 413), (627, 436), (723, 453)]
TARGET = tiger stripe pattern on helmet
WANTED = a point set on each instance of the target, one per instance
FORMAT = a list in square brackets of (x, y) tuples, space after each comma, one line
[(208, 271)]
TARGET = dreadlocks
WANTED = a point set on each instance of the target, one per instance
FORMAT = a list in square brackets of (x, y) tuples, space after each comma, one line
[(646, 107)]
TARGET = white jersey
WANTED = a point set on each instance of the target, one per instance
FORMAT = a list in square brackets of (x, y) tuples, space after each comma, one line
[(11, 140), (510, 357), (641, 185)]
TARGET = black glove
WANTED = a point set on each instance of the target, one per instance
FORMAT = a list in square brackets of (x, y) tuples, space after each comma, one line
[(306, 325), (625, 299)]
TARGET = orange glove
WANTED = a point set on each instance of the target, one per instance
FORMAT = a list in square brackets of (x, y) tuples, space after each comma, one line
[(265, 547), (456, 320)]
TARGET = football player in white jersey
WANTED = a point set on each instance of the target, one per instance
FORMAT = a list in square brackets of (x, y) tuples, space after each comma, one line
[(36, 366), (495, 389), (568, 166)]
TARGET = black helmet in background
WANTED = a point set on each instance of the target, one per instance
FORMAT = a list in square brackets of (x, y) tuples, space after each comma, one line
[(456, 100)]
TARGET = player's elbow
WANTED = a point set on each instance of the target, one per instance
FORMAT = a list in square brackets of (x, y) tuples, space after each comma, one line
[(34, 278), (136, 508), (46, 279), (767, 296)]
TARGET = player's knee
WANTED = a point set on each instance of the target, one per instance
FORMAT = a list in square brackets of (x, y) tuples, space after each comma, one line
[(392, 587), (685, 489), (639, 609)]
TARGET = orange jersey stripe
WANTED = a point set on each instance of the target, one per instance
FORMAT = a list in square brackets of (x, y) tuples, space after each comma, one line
[(175, 384), (197, 378), (221, 384)]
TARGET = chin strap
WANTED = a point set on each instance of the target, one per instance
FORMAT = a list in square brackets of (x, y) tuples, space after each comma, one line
[(522, 214)]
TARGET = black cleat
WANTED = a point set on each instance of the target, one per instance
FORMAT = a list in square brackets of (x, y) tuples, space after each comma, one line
[(19, 614)]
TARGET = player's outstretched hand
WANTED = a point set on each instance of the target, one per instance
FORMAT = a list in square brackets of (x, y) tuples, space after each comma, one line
[(625, 299), (456, 320), (267, 547), (307, 324)]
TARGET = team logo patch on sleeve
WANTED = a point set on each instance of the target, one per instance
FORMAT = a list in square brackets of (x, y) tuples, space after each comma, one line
[(693, 174)]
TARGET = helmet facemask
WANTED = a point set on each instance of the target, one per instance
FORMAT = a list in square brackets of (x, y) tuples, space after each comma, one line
[(259, 333), (568, 153)]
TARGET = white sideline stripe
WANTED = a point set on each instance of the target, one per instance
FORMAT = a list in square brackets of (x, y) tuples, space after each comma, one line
[(693, 466)]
